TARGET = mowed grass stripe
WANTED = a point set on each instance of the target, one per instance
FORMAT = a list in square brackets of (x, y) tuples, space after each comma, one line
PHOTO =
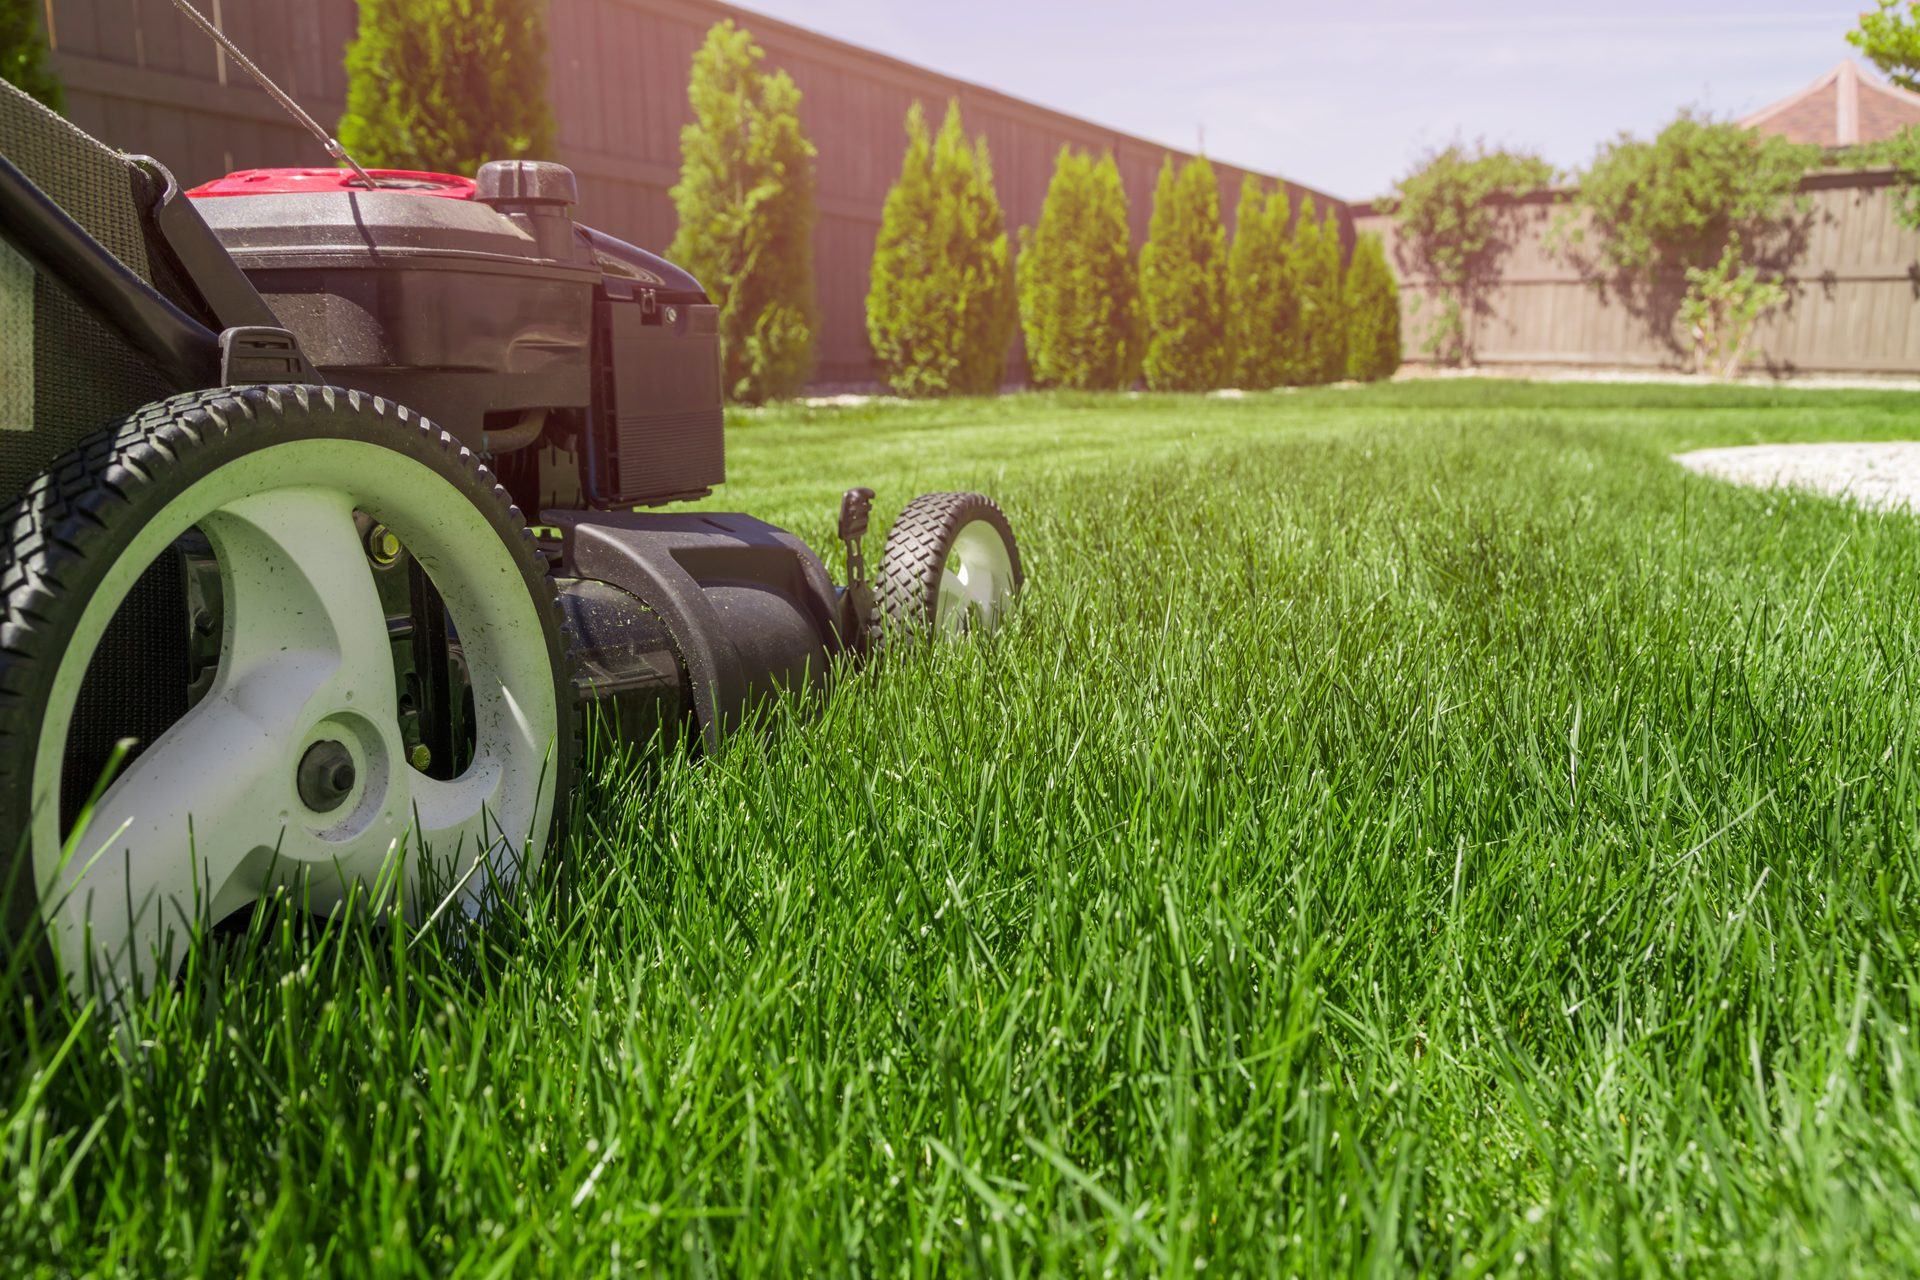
[(1410, 828)]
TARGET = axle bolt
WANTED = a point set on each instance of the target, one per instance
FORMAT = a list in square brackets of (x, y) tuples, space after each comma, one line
[(326, 776), (383, 548)]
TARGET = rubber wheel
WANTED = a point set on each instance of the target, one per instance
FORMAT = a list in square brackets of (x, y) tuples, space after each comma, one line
[(290, 768), (951, 565)]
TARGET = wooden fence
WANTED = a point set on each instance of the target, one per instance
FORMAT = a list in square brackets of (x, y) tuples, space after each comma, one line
[(141, 78), (1854, 286)]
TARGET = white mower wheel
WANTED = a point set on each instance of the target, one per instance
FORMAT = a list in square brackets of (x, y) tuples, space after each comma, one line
[(951, 565), (290, 769)]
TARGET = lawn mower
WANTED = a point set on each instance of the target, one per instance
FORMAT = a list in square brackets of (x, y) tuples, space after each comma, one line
[(328, 522)]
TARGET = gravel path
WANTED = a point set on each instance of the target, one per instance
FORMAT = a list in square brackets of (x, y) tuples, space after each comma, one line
[(1885, 474)]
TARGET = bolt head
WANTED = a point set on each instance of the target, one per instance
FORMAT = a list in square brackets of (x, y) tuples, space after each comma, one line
[(383, 546), (326, 776)]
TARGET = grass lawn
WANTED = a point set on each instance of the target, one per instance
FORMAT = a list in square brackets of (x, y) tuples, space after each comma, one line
[(1413, 828)]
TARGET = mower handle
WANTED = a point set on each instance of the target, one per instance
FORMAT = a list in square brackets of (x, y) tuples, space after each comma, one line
[(183, 349)]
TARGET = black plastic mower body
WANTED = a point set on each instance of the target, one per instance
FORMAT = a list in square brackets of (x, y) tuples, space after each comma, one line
[(488, 308), (585, 369), (749, 609)]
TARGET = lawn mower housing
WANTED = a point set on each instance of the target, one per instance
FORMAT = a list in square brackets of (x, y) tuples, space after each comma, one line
[(258, 438), (485, 302)]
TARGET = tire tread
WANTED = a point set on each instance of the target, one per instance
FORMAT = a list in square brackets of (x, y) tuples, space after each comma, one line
[(916, 552)]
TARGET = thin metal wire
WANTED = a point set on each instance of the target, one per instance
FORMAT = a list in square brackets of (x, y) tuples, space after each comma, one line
[(274, 91)]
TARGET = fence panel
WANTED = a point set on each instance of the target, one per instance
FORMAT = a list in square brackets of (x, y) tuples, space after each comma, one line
[(1853, 293)]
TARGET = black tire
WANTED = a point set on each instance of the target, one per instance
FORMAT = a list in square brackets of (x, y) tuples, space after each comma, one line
[(917, 552), (82, 514)]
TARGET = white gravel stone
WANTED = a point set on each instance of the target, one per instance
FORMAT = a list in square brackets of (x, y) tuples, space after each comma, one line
[(1874, 474)]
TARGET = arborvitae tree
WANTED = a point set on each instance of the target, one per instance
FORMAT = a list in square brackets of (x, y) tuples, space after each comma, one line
[(1079, 301), (904, 309), (1373, 313), (746, 205), (984, 253), (447, 85), (941, 307), (1263, 306), (23, 52), (1183, 281), (1320, 354)]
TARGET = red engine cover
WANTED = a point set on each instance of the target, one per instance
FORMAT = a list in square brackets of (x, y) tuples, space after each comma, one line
[(256, 182)]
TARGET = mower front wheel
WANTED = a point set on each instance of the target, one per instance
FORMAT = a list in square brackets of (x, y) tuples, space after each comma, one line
[(951, 565), (286, 764)]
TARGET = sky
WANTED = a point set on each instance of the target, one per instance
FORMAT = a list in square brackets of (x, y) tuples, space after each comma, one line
[(1345, 97)]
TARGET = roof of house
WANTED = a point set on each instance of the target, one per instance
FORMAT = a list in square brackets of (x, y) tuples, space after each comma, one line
[(1843, 107)]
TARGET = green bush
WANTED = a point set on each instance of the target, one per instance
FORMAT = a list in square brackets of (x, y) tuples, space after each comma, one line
[(1183, 282), (23, 52), (1901, 153), (1723, 303), (1457, 221), (746, 205), (1665, 212), (1320, 353), (1079, 294), (940, 307), (1373, 313), (1263, 304), (1661, 207), (447, 85)]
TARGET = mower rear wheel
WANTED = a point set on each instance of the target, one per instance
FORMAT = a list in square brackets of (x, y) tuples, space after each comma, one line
[(290, 768), (951, 565)]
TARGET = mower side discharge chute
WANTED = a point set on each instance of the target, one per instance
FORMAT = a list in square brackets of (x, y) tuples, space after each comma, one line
[(748, 608)]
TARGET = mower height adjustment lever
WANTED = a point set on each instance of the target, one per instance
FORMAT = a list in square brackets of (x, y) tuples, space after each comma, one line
[(856, 505)]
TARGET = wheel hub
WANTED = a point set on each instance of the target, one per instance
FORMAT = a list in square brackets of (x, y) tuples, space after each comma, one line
[(326, 776), (976, 581)]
